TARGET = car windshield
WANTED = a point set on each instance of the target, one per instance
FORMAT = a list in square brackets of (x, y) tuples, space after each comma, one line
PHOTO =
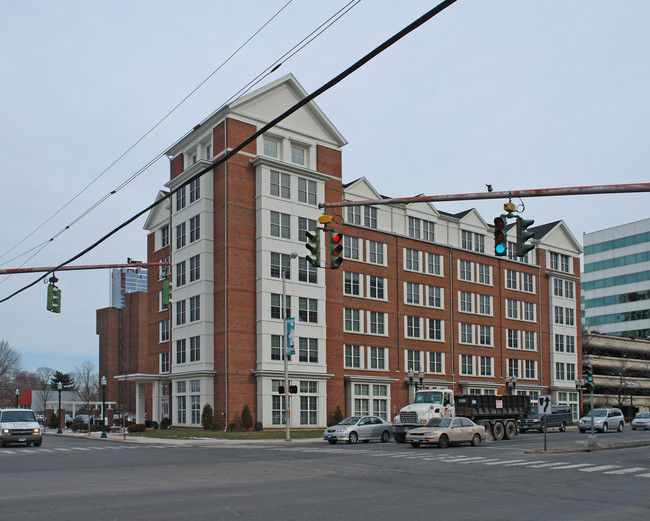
[(18, 416), (644, 415), (429, 397), (351, 420), (439, 422)]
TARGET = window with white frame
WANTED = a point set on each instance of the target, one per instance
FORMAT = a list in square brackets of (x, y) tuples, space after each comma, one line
[(280, 262), (308, 405), (530, 340), (307, 272), (434, 296), (436, 362), (428, 231), (434, 264), (571, 372), (377, 323), (436, 331), (181, 408), (530, 369), (559, 343), (195, 268), (180, 351), (276, 347), (465, 302), (298, 154), (369, 217), (195, 349), (180, 274), (559, 315), (308, 310), (413, 327), (361, 399), (376, 287), (352, 320), (377, 357), (558, 287), (276, 306), (270, 147), (195, 228), (485, 304), (465, 270), (308, 350), (164, 236), (195, 405), (485, 335), (484, 274), (180, 199), (513, 338), (412, 259), (415, 227), (570, 343), (278, 411), (569, 315), (354, 215), (511, 279), (195, 190), (560, 373), (195, 308), (164, 331), (352, 356), (376, 252), (280, 184), (467, 365), (412, 293), (413, 360), (466, 333), (466, 240), (528, 282), (280, 225), (351, 248), (180, 236), (380, 401), (306, 225), (529, 311), (164, 362), (513, 367), (351, 283), (486, 366), (569, 288), (306, 191), (512, 309)]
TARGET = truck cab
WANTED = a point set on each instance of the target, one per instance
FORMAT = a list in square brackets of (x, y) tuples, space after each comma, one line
[(427, 404), (19, 426)]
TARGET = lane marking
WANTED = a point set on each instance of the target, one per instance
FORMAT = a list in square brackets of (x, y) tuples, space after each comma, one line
[(525, 463), (626, 471), (575, 466), (602, 467), (548, 465), (505, 462)]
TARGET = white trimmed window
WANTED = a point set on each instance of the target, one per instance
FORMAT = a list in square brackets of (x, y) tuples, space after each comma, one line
[(354, 215), (513, 338), (528, 282), (434, 264), (413, 329), (351, 284), (376, 252), (467, 365), (280, 225), (352, 356), (411, 259), (485, 335), (435, 297), (485, 305), (413, 360), (466, 302), (351, 248), (484, 274), (530, 340), (436, 329), (530, 369), (486, 366), (370, 217), (466, 334), (352, 320), (280, 184), (376, 286), (412, 293), (465, 270), (511, 279), (377, 323), (377, 358), (436, 362)]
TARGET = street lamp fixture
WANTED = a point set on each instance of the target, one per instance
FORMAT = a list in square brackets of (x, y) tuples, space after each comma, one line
[(59, 387), (511, 384), (17, 395), (103, 407), (421, 378)]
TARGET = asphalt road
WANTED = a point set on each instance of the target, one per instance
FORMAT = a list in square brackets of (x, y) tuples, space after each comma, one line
[(82, 478)]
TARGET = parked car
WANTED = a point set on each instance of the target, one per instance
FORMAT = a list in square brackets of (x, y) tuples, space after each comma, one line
[(560, 417), (445, 431), (68, 420), (604, 420), (19, 426), (642, 421), (355, 428)]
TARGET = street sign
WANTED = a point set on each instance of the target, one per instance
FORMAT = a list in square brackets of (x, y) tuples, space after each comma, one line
[(545, 404)]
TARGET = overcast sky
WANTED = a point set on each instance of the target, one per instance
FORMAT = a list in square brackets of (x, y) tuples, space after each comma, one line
[(518, 94)]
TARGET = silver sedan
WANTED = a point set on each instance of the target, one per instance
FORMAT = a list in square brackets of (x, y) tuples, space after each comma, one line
[(642, 421), (355, 428)]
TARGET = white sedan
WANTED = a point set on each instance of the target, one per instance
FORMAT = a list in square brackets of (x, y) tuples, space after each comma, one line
[(355, 428), (445, 431)]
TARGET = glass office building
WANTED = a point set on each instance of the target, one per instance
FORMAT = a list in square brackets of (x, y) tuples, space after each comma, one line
[(126, 280)]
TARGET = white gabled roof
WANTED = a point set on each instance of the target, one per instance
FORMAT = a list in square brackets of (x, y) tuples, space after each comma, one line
[(159, 213)]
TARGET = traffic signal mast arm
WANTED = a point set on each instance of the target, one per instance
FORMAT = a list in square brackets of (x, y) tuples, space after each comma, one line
[(51, 269)]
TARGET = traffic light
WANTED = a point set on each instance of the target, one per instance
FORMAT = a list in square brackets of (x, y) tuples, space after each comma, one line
[(293, 389), (313, 245), (523, 236), (336, 250), (53, 299), (166, 294), (500, 239), (281, 389), (588, 373)]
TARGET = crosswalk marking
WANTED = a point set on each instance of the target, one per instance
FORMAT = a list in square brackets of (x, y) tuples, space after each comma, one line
[(575, 466), (646, 475), (524, 463), (544, 465), (625, 471), (505, 462), (602, 467)]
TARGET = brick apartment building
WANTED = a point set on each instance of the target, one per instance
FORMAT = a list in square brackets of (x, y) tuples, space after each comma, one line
[(420, 289)]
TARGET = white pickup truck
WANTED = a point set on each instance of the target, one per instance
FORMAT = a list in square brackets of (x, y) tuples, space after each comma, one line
[(427, 404), (19, 426)]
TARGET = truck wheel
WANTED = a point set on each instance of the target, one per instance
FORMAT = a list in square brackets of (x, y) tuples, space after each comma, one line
[(443, 441), (385, 436), (510, 430), (563, 427), (476, 440), (498, 431), (488, 428), (415, 444), (353, 438), (399, 437)]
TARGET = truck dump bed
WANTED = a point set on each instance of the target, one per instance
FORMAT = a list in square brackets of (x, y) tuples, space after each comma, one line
[(487, 407)]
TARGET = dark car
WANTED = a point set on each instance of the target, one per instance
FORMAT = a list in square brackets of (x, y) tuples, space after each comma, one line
[(560, 417)]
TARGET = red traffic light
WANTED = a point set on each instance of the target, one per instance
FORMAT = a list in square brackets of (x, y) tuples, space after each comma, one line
[(337, 237)]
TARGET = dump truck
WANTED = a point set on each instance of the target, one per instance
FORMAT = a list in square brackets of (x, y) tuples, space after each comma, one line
[(498, 414)]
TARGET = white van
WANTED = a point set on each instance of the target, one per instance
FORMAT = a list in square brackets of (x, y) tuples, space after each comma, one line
[(19, 426)]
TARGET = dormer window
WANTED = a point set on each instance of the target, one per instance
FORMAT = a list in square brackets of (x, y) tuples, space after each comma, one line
[(270, 147), (298, 155)]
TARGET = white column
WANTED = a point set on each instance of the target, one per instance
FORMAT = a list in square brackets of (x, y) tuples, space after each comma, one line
[(156, 406), (139, 403)]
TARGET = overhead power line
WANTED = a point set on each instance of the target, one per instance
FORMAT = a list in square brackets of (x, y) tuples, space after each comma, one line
[(307, 99)]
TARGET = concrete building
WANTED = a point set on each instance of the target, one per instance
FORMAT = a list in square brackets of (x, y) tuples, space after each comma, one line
[(616, 280), (420, 289), (125, 281)]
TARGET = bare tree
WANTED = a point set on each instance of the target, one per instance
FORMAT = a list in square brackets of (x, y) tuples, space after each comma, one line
[(44, 386), (87, 383), (10, 364)]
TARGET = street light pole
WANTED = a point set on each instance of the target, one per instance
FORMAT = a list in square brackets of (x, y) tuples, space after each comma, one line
[(285, 352), (630, 386), (17, 395), (103, 407), (59, 386)]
